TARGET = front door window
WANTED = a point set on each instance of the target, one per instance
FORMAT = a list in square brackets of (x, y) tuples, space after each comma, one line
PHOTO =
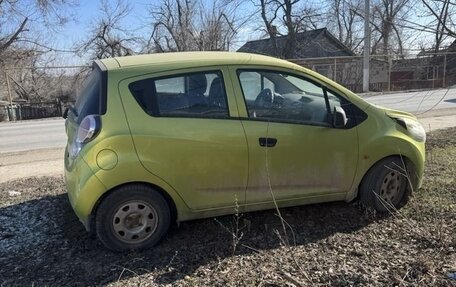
[(281, 97)]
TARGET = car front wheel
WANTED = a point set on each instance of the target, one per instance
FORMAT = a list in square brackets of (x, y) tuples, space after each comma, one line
[(384, 187)]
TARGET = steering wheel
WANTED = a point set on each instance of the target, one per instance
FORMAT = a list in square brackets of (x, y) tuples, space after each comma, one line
[(265, 99)]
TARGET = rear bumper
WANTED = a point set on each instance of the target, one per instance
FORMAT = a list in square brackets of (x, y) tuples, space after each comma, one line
[(84, 189)]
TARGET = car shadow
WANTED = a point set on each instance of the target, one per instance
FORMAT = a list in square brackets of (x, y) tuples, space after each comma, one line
[(42, 242)]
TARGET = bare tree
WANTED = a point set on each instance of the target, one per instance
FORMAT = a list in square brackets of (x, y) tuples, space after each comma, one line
[(19, 20), (184, 25), (345, 23), (387, 16), (31, 80), (443, 23), (172, 26), (108, 37), (286, 18), (25, 26), (221, 26)]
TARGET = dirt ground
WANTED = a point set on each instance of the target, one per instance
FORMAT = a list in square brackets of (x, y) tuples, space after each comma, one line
[(337, 244), (40, 162)]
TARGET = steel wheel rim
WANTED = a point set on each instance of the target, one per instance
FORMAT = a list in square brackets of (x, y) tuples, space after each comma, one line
[(391, 187), (134, 221)]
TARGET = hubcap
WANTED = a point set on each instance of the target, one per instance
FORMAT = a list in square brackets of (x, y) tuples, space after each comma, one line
[(391, 185), (134, 222)]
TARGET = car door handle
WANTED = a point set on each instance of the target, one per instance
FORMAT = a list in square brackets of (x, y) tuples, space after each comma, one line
[(267, 142)]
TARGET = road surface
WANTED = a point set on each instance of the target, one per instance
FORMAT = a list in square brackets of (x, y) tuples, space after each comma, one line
[(417, 102), (31, 148), (32, 134)]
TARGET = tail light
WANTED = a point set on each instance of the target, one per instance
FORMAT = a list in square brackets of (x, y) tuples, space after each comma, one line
[(88, 129)]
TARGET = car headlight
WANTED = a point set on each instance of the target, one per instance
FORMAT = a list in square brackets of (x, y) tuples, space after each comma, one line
[(413, 127)]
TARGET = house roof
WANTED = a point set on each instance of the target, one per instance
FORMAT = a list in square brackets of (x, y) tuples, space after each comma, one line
[(310, 44)]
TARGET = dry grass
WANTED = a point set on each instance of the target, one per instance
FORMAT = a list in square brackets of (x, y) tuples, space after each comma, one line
[(336, 244)]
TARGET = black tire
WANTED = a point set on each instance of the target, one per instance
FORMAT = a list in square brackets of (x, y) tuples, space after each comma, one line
[(132, 217), (385, 186)]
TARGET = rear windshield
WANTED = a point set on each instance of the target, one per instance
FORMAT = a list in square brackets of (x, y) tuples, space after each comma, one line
[(89, 100)]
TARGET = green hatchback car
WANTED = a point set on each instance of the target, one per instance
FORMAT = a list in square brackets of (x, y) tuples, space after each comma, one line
[(156, 139)]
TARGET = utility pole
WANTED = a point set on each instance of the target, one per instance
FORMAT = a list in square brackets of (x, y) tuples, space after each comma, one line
[(367, 37)]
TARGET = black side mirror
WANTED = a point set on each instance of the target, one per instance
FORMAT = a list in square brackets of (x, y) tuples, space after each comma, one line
[(339, 119), (65, 113)]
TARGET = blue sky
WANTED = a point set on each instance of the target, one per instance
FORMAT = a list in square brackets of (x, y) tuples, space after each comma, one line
[(86, 13)]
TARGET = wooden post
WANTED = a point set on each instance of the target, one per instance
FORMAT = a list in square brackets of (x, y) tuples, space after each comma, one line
[(390, 63), (444, 69), (10, 114)]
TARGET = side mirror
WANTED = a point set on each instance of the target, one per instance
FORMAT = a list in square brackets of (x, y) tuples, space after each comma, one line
[(339, 119)]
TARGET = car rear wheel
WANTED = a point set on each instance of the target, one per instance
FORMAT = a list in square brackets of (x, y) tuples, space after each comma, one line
[(384, 187), (132, 217)]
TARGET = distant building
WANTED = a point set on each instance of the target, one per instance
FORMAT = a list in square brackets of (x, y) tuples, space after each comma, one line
[(310, 44), (320, 51), (428, 70)]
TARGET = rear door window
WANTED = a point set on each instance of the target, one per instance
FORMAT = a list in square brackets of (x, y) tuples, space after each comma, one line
[(200, 94)]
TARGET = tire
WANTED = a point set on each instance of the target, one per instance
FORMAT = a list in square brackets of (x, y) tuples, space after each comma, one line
[(132, 217), (385, 186)]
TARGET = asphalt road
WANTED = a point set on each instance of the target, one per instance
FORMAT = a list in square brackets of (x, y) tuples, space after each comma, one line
[(32, 134), (50, 133), (417, 102)]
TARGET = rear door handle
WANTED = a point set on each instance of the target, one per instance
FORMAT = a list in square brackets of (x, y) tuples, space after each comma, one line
[(267, 142)]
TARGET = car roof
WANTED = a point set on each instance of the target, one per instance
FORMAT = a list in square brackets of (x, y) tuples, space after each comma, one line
[(194, 59)]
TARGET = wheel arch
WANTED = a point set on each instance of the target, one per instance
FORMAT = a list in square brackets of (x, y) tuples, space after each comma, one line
[(381, 145), (410, 167)]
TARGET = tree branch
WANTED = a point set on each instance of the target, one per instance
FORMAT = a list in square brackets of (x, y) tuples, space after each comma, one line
[(15, 35)]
